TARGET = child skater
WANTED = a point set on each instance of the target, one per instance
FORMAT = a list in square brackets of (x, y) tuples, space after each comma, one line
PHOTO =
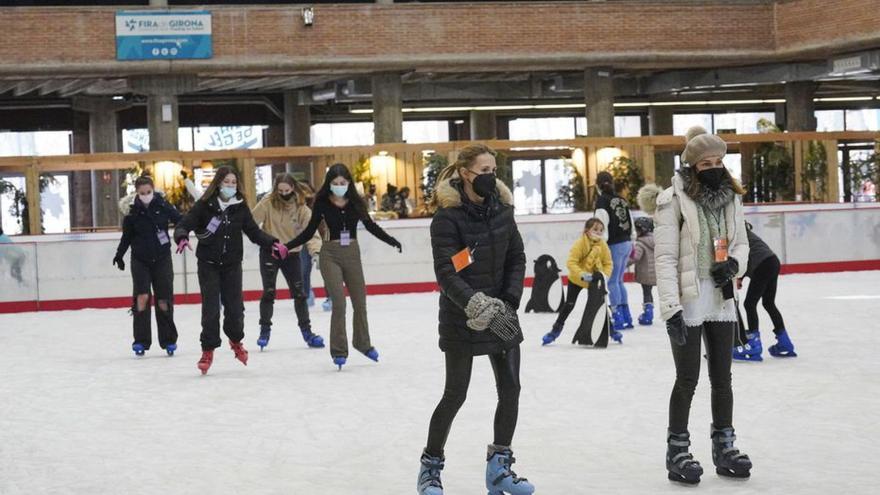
[(588, 255), (643, 258)]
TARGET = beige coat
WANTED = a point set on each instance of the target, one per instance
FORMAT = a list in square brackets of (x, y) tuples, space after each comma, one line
[(677, 235), (287, 223)]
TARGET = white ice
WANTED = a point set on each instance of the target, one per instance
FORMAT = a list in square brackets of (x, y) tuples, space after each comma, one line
[(80, 414)]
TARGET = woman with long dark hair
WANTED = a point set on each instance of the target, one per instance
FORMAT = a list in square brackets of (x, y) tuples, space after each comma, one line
[(219, 218), (341, 208), (701, 246), (145, 229), (480, 265), (283, 214), (614, 212)]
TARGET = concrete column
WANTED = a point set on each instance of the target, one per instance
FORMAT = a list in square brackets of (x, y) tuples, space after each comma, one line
[(387, 108), (660, 124), (81, 181), (158, 3), (599, 96), (163, 122), (799, 108), (298, 132), (484, 126), (274, 137), (104, 137), (162, 112)]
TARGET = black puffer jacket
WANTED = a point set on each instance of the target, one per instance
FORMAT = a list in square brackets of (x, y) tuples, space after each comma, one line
[(141, 227), (498, 269), (223, 246)]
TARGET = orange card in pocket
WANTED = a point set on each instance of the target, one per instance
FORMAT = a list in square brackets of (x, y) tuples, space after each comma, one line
[(462, 259)]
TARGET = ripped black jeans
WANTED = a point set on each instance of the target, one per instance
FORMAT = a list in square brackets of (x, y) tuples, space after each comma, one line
[(291, 269), (158, 275)]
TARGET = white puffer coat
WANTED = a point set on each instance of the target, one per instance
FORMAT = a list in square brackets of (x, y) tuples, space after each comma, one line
[(677, 235)]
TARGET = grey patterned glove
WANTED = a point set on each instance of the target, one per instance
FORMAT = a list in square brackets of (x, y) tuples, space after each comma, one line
[(505, 324), (481, 310)]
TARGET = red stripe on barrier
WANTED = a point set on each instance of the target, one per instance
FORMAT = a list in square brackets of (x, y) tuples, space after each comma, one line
[(373, 290), (833, 266)]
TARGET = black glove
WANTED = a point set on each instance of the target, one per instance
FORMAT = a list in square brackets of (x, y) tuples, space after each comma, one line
[(396, 244), (119, 262), (724, 271), (505, 324), (676, 329)]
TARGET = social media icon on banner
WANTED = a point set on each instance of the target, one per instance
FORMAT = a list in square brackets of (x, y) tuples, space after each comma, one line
[(174, 51), (155, 52), (164, 52)]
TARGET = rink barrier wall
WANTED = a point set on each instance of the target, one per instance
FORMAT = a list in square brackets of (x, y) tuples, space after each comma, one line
[(73, 271)]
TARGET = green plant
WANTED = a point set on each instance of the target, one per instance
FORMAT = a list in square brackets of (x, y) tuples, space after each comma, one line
[(628, 178), (361, 172), (814, 175), (573, 194), (19, 208), (772, 170), (433, 165)]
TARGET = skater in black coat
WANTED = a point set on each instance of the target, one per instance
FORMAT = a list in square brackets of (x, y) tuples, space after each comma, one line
[(763, 269), (219, 219), (479, 262), (145, 230)]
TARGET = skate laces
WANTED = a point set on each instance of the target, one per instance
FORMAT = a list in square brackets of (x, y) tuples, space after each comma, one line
[(506, 461), (684, 458), (431, 475), (727, 447)]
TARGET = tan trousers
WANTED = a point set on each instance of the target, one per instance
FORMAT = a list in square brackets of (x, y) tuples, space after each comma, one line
[(342, 265)]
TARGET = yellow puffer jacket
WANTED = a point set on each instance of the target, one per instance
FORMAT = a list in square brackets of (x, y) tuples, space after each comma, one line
[(588, 256)]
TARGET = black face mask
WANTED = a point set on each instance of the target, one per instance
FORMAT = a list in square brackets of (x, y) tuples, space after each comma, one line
[(484, 185), (286, 197), (712, 178)]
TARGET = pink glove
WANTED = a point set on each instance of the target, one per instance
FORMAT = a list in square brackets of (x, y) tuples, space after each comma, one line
[(279, 251), (183, 244)]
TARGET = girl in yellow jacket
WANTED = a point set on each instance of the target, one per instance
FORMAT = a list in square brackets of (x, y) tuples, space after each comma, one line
[(589, 257)]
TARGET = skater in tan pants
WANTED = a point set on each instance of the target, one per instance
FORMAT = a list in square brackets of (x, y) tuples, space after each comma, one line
[(339, 205)]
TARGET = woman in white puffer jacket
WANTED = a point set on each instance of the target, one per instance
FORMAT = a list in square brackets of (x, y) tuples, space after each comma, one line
[(701, 246)]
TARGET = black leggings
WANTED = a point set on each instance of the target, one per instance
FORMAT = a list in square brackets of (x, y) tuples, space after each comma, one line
[(458, 376), (719, 341), (763, 288), (571, 297)]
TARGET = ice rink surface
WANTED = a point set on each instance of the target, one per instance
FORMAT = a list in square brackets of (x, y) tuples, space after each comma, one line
[(80, 414)]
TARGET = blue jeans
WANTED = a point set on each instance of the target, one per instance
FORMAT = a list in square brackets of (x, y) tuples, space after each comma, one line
[(619, 254)]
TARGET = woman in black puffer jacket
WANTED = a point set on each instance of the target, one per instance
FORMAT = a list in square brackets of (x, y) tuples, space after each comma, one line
[(219, 219), (145, 229), (480, 266)]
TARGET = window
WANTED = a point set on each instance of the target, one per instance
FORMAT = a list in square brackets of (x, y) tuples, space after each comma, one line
[(682, 122), (542, 128), (867, 119), (829, 120)]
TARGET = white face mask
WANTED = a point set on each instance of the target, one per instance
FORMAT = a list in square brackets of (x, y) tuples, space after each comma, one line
[(339, 191), (146, 199)]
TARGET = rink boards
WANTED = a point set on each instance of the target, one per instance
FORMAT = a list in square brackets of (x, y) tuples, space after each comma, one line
[(72, 271)]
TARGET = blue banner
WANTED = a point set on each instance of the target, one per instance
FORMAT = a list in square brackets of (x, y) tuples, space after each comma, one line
[(163, 34)]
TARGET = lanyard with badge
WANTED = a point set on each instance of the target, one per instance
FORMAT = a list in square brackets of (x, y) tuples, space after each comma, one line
[(463, 258), (344, 234)]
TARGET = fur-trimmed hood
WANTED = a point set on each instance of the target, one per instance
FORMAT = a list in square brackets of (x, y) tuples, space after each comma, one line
[(714, 199), (449, 192)]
